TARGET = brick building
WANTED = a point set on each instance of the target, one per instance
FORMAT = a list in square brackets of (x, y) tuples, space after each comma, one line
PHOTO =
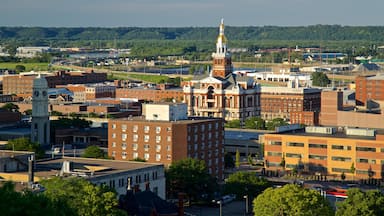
[(369, 88), (279, 102), (166, 135), (327, 150), (304, 117), (21, 84), (156, 94)]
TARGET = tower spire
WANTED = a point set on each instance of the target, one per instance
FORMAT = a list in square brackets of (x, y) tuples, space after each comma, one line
[(222, 63)]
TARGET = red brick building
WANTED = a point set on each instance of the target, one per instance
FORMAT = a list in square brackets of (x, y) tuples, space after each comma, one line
[(166, 135), (21, 84), (369, 88)]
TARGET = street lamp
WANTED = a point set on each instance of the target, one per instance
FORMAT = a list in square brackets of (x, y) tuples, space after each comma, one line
[(246, 204), (220, 205)]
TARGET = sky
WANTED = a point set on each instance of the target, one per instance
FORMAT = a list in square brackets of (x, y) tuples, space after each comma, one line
[(189, 13)]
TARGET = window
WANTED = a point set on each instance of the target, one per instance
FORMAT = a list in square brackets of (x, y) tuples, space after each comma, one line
[(271, 142), (317, 157), (293, 155), (158, 129), (146, 156), (344, 159), (158, 139), (169, 147), (135, 155), (146, 129), (146, 147), (113, 126), (169, 138), (135, 137), (113, 144), (169, 157), (124, 146), (341, 147), (113, 153), (362, 160), (135, 128), (158, 157), (124, 155), (124, 127), (340, 170), (274, 154), (158, 148), (134, 146), (366, 149), (146, 138), (124, 137), (323, 146), (169, 129), (295, 144), (113, 135)]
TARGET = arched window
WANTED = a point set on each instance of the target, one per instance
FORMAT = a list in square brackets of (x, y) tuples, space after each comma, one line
[(211, 91)]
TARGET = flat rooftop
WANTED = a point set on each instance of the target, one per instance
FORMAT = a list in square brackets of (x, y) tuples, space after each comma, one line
[(301, 132), (189, 120), (99, 167)]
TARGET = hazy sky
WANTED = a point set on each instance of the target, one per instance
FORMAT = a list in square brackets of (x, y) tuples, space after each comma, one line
[(176, 13)]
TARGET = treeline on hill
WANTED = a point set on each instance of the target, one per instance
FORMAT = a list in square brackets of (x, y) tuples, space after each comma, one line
[(315, 32)]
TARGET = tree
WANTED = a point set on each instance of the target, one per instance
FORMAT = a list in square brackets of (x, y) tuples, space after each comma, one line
[(282, 163), (342, 176), (85, 198), (353, 169), (94, 152), (28, 112), (320, 79), (277, 122), (237, 160), (20, 68), (228, 160), (233, 124), (189, 176), (245, 183), (29, 203), (360, 202), (255, 123), (11, 107), (25, 144), (291, 199)]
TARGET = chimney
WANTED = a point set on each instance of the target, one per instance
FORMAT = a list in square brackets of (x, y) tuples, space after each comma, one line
[(30, 170)]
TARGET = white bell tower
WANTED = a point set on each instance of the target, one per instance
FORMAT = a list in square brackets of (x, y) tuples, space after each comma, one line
[(40, 117)]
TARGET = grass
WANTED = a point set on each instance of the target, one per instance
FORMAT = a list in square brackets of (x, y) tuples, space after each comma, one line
[(28, 66)]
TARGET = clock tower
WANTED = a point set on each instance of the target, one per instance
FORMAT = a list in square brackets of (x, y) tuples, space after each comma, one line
[(40, 117)]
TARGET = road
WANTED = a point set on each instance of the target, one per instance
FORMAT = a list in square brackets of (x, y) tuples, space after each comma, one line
[(236, 208)]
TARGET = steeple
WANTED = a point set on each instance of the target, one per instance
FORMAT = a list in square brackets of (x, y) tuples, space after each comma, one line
[(222, 63)]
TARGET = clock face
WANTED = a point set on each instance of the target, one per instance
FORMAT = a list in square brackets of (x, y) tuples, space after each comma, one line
[(36, 93), (44, 93)]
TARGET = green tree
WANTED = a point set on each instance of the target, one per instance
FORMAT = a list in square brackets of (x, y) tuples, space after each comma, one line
[(282, 162), (291, 200), (85, 198), (245, 183), (25, 144), (19, 68), (11, 107), (189, 176), (320, 79), (342, 176), (233, 124), (370, 203), (29, 204), (94, 152), (353, 170), (28, 112), (228, 160), (237, 158), (277, 122), (255, 123)]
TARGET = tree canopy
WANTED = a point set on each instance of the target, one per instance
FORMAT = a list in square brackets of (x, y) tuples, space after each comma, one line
[(94, 152), (82, 196), (277, 122), (190, 176), (370, 203), (291, 199), (25, 144), (11, 107), (319, 79), (255, 123), (245, 183), (29, 204)]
